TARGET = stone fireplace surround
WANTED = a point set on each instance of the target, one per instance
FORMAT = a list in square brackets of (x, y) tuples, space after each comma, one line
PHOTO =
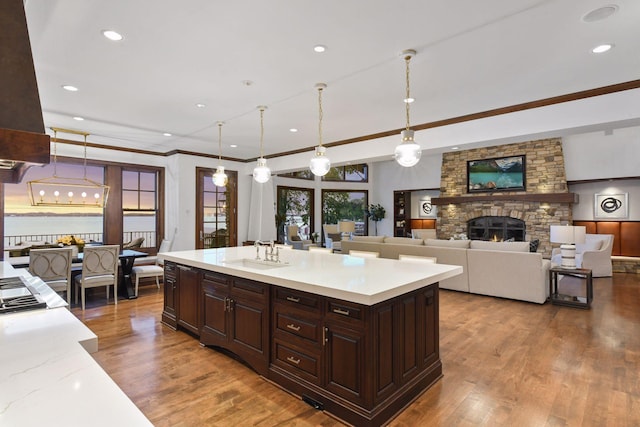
[(546, 200)]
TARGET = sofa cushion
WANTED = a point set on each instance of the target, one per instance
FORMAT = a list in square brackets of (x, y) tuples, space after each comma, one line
[(370, 239), (403, 240), (424, 233), (295, 238), (500, 246), (336, 237), (448, 243), (533, 245)]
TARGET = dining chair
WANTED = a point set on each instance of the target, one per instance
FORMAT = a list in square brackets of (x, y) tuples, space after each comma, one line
[(418, 258), (155, 270), (53, 266), (319, 249), (99, 268), (364, 254)]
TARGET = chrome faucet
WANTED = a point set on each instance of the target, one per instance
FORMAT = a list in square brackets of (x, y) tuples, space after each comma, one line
[(257, 245)]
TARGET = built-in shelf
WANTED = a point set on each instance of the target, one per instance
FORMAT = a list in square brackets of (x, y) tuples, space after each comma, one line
[(528, 197)]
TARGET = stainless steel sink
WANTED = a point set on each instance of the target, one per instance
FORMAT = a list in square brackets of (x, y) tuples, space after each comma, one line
[(254, 263)]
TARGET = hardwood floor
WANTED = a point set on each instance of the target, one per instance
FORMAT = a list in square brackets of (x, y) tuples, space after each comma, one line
[(506, 363)]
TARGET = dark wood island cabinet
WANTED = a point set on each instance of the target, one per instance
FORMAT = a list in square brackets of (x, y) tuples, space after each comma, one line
[(361, 363)]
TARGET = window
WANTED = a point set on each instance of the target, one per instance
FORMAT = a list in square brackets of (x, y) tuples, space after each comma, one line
[(303, 174), (338, 205), (351, 173), (295, 207), (139, 206), (217, 208)]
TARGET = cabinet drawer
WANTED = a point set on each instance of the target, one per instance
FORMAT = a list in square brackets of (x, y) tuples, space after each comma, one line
[(298, 326), (249, 289), (300, 363), (170, 270), (297, 298), (344, 310), (215, 277)]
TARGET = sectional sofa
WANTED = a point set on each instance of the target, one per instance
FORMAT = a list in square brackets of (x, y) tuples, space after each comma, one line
[(501, 269)]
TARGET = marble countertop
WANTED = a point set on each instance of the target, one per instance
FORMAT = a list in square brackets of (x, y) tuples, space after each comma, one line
[(47, 375), (361, 280)]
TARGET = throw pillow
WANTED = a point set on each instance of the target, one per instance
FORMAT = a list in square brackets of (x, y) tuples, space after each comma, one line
[(533, 245), (336, 237), (403, 240), (295, 238)]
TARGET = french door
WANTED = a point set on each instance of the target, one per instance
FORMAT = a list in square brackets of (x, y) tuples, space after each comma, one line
[(216, 211)]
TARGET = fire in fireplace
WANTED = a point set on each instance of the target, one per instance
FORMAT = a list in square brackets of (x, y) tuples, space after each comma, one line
[(496, 228)]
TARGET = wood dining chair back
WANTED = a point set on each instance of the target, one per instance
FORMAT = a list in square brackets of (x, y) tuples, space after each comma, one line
[(364, 254), (319, 249), (418, 258), (53, 266), (99, 268)]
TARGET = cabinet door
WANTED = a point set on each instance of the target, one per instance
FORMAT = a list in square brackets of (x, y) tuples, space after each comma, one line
[(169, 309), (215, 304), (345, 362), (188, 311), (250, 332), (431, 337)]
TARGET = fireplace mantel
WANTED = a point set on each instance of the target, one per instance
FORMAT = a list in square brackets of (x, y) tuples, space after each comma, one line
[(528, 197)]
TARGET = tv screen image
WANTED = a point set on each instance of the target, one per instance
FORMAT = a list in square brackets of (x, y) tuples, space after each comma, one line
[(497, 174)]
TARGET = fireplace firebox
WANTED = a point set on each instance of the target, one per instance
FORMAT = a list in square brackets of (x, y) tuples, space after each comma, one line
[(496, 228)]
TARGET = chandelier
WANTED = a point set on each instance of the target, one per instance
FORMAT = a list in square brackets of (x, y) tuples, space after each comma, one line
[(261, 173), (64, 191), (320, 164), (220, 178), (408, 152)]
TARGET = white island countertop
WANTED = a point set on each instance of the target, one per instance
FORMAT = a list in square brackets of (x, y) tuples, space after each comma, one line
[(365, 281), (48, 377)]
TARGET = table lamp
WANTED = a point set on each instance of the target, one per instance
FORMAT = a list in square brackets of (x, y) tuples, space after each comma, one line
[(347, 227), (568, 236)]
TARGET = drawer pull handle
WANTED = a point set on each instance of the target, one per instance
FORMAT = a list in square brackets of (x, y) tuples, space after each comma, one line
[(293, 299), (294, 327), (184, 268), (341, 311), (293, 360)]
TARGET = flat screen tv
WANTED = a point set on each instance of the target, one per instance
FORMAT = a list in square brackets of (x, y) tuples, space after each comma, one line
[(497, 174)]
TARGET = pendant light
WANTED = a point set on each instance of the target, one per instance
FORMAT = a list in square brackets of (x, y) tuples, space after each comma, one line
[(320, 164), (261, 173), (408, 153), (220, 178)]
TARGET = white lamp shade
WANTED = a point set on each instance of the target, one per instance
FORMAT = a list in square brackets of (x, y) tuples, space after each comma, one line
[(320, 164), (567, 234), (219, 178), (408, 153), (261, 173)]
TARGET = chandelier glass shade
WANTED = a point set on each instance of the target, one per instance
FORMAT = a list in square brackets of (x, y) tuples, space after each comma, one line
[(65, 191), (320, 163), (408, 152), (220, 178), (261, 173)]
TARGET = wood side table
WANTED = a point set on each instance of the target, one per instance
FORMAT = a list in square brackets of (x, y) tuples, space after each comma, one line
[(570, 300)]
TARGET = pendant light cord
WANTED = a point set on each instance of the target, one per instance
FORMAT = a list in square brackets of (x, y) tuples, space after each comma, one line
[(408, 97), (85, 156), (55, 153), (261, 129), (220, 141), (320, 114)]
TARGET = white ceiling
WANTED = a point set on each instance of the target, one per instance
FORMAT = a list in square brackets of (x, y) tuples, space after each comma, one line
[(472, 56)]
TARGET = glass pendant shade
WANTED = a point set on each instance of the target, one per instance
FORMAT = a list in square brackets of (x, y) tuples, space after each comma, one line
[(220, 178), (320, 164), (408, 153), (261, 173)]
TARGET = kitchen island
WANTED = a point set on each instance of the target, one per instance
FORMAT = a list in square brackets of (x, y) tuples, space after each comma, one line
[(356, 337)]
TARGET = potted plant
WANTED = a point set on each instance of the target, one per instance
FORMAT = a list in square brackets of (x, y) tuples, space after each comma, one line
[(375, 213)]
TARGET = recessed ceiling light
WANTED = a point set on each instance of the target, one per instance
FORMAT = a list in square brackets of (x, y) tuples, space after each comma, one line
[(409, 100), (199, 105), (293, 130), (78, 118), (455, 148), (247, 82), (112, 35), (167, 134), (319, 48), (602, 48), (600, 13), (70, 88), (233, 146)]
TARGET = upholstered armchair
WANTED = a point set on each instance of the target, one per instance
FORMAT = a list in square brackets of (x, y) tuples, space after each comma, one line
[(332, 237), (294, 239), (594, 254)]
